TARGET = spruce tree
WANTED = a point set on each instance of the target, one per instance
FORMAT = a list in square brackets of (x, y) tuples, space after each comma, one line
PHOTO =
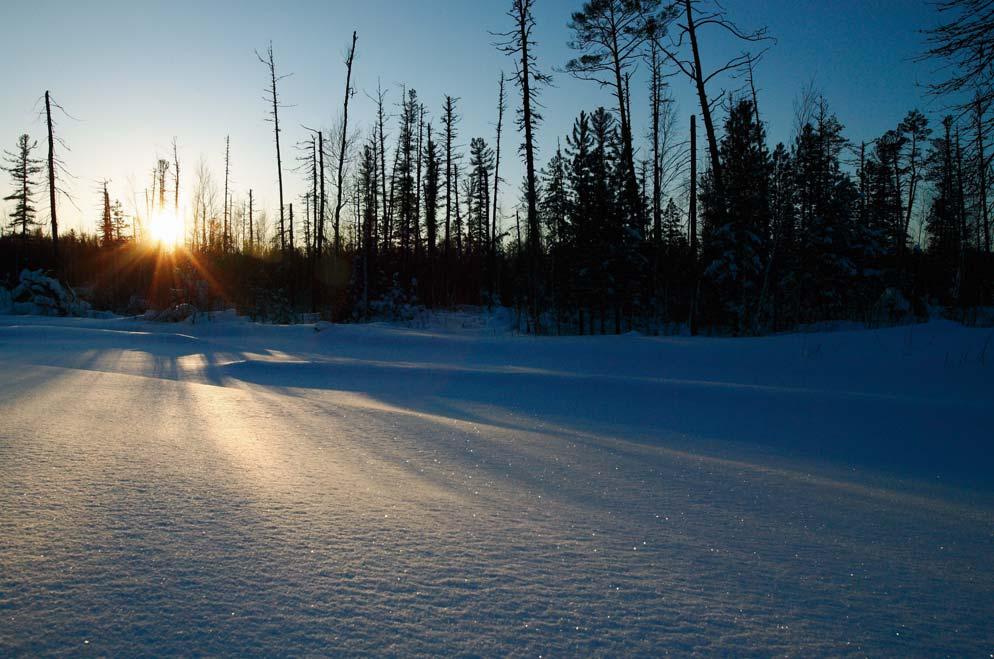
[(737, 221), (22, 168)]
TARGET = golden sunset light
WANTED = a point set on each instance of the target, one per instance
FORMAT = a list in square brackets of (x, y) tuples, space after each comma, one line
[(516, 328)]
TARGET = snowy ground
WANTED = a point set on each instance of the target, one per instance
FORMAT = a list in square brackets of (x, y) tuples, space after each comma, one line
[(228, 488)]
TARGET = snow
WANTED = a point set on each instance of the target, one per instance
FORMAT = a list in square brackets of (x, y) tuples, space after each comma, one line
[(38, 293), (222, 487)]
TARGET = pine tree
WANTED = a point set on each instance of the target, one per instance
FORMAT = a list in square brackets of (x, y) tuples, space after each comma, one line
[(915, 131), (107, 222), (737, 224), (404, 171), (368, 171), (22, 168), (449, 120), (554, 205), (782, 267), (611, 34), (942, 223), (481, 162), (119, 221), (579, 258), (830, 252), (431, 189), (554, 209)]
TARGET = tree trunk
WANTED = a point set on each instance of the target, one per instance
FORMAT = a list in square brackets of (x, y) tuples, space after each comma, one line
[(227, 169), (279, 160), (342, 144), (51, 181), (982, 177), (533, 233), (493, 230), (693, 224), (703, 99)]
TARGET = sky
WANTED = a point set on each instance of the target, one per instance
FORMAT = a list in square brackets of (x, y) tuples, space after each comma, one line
[(133, 75)]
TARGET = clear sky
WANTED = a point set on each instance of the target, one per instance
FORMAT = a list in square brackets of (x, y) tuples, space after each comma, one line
[(135, 74)]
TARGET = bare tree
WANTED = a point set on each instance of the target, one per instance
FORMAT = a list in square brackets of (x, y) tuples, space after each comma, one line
[(501, 106), (227, 173), (342, 144), (693, 221), (965, 44), (273, 98), (161, 169), (204, 203), (176, 178), (688, 34), (323, 198), (55, 167), (381, 125), (518, 44), (251, 223)]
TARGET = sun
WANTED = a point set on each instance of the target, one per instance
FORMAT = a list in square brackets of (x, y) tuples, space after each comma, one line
[(166, 228)]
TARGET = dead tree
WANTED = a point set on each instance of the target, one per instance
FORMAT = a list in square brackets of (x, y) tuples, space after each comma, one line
[(342, 144), (161, 169), (323, 198), (314, 192), (381, 123), (688, 34), (291, 226), (52, 186), (227, 173), (273, 98), (693, 223), (176, 178), (501, 106), (965, 45), (518, 44), (251, 213)]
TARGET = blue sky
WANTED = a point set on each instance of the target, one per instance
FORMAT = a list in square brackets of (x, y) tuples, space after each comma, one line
[(135, 74)]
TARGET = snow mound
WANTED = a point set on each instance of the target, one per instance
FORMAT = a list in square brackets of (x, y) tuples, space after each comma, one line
[(41, 295)]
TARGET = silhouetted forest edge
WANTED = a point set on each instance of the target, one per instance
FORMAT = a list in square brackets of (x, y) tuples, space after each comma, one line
[(720, 233)]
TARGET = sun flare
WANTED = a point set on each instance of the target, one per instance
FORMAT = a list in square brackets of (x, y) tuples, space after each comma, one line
[(166, 228)]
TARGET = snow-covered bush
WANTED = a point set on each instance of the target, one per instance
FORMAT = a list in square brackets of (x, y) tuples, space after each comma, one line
[(42, 295), (396, 304), (271, 306), (892, 308), (174, 314)]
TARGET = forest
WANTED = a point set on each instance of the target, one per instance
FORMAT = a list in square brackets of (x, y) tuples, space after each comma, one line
[(613, 231)]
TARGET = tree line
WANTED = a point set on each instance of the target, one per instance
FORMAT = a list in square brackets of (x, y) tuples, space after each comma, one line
[(611, 232)]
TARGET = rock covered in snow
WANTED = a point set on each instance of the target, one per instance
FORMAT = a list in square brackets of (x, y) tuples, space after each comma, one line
[(37, 293)]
